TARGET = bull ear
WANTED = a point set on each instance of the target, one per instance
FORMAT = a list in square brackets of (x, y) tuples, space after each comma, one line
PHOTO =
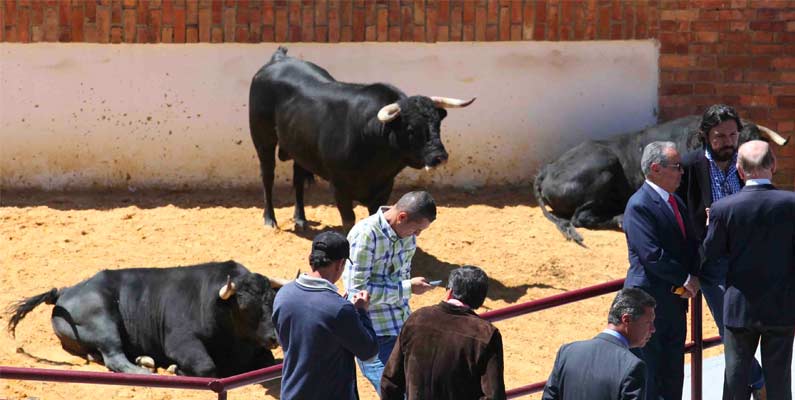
[(227, 290), (277, 283)]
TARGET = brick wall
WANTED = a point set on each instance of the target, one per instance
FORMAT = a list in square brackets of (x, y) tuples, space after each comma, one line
[(740, 52)]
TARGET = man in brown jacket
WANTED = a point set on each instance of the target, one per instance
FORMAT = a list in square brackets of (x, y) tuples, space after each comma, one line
[(446, 351)]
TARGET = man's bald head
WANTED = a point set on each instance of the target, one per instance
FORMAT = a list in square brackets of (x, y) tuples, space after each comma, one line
[(755, 160)]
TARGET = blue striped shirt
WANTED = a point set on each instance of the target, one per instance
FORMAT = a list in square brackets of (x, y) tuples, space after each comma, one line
[(723, 184)]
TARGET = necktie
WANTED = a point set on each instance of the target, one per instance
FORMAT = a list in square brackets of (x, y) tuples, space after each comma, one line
[(672, 202)]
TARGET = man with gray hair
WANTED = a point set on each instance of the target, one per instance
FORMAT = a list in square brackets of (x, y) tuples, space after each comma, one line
[(755, 230), (663, 260), (579, 371), (382, 246)]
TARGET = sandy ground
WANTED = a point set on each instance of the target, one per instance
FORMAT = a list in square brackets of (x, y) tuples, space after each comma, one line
[(58, 239)]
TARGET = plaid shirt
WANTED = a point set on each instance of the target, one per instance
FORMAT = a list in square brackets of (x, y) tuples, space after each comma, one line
[(723, 184), (380, 262)]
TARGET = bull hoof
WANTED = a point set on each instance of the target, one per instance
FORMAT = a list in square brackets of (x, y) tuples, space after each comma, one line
[(145, 361), (270, 223), (300, 225)]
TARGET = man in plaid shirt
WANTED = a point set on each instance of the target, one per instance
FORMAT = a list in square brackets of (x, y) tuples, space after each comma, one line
[(382, 246)]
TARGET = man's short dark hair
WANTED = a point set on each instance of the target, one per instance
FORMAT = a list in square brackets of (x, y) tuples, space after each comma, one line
[(714, 115), (469, 285), (418, 205), (632, 301)]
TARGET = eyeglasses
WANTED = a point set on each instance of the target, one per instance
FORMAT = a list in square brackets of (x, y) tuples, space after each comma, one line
[(674, 166)]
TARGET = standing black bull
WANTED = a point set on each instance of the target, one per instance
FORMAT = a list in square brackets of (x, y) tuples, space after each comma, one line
[(194, 317), (589, 185), (358, 137)]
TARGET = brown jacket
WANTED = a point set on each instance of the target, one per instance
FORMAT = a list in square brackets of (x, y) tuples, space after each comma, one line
[(445, 352)]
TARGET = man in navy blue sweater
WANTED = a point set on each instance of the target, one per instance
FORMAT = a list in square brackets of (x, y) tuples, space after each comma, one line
[(319, 330)]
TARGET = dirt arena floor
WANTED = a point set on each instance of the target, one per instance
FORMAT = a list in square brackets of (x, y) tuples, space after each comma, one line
[(58, 239)]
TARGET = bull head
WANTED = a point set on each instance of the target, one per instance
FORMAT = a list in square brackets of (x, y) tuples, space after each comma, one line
[(391, 111)]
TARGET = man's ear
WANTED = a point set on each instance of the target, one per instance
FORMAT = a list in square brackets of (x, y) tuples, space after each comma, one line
[(625, 319), (740, 171), (402, 216)]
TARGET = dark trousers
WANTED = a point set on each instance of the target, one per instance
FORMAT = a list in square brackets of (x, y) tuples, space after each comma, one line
[(713, 294), (664, 356), (776, 347)]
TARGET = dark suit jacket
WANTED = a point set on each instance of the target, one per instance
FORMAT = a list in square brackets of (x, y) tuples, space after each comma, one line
[(696, 189), (659, 257), (755, 228), (596, 369)]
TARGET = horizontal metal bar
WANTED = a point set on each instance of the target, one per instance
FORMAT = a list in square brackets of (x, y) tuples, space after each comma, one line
[(248, 378), (553, 301), (105, 378)]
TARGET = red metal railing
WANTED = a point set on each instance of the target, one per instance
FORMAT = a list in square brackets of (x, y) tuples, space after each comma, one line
[(221, 386)]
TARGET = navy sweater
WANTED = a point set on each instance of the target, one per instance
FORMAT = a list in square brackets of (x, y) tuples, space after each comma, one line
[(320, 333)]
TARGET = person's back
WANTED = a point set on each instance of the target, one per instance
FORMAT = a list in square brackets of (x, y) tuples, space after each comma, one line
[(581, 362), (321, 332), (446, 351), (604, 368), (316, 363)]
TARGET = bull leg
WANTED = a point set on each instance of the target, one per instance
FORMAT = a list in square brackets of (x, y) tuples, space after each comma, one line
[(90, 331), (264, 137), (190, 355), (345, 207), (590, 216), (380, 198), (299, 176)]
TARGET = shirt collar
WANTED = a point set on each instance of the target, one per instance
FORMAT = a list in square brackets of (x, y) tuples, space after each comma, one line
[(754, 182), (457, 303), (385, 227), (662, 192), (618, 336), (312, 283)]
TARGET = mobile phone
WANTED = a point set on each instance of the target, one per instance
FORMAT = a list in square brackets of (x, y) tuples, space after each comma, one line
[(435, 283)]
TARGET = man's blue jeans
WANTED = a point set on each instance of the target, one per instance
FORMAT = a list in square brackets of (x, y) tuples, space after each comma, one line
[(713, 294), (373, 369)]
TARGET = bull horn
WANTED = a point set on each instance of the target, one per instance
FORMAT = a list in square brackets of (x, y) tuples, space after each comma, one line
[(277, 283), (227, 290), (388, 112), (772, 135), (449, 102)]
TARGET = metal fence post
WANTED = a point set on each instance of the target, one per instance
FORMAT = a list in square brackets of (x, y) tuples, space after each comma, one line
[(698, 347)]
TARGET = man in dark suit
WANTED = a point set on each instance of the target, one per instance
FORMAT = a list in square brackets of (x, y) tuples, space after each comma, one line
[(603, 367), (755, 230), (663, 260), (710, 174)]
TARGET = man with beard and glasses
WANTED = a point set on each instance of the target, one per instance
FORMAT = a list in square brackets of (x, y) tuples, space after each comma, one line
[(710, 174)]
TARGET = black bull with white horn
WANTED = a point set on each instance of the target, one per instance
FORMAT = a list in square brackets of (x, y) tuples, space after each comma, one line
[(356, 136), (589, 185), (210, 319)]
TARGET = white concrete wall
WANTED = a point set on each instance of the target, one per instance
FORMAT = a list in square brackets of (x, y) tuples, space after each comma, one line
[(88, 116)]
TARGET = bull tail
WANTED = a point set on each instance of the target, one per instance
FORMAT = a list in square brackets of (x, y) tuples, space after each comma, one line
[(279, 54), (24, 306), (564, 225)]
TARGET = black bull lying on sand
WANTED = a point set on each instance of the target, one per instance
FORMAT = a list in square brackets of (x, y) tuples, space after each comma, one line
[(590, 184), (211, 319), (358, 137)]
